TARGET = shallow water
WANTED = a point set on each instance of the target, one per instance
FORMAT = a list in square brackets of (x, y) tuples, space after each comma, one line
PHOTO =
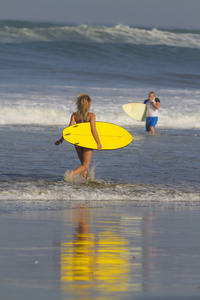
[(100, 253), (161, 168)]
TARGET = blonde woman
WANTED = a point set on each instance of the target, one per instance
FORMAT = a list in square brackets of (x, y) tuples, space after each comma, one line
[(83, 115)]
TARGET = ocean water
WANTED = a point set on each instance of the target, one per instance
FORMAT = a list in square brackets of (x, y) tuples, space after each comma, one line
[(45, 66)]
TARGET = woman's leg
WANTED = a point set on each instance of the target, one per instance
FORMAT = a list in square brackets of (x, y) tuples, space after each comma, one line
[(86, 159), (79, 151)]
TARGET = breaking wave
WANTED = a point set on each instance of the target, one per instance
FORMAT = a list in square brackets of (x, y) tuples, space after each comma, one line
[(22, 32)]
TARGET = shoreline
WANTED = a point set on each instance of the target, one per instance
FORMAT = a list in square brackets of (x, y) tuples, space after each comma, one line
[(11, 206)]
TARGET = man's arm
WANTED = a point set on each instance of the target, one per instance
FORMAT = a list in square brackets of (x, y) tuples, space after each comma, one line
[(156, 104)]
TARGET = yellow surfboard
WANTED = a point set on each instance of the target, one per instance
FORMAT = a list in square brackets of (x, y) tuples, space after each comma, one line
[(111, 136), (137, 111)]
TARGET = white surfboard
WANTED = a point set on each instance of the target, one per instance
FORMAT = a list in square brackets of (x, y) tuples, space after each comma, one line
[(136, 111)]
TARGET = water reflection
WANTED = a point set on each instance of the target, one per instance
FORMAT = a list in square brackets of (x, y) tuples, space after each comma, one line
[(97, 257)]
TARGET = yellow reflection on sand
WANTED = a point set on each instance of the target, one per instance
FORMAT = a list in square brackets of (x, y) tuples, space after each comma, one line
[(94, 260)]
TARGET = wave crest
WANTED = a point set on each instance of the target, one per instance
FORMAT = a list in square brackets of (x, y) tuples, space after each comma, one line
[(11, 33)]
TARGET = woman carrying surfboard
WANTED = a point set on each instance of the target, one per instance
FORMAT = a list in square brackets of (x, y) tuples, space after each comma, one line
[(83, 115)]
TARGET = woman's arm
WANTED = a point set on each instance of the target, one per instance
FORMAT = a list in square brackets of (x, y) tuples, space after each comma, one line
[(72, 122), (94, 131), (59, 141), (73, 119)]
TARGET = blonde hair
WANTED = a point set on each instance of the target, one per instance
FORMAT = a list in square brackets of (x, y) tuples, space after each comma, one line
[(83, 102)]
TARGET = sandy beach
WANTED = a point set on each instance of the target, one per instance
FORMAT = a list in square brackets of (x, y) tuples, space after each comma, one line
[(85, 252)]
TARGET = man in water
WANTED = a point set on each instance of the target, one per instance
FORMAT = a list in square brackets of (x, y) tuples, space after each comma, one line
[(153, 105)]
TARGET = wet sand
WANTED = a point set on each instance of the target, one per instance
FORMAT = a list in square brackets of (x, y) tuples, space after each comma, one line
[(83, 252)]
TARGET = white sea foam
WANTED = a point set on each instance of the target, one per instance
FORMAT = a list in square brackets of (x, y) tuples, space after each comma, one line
[(22, 115), (48, 117), (178, 108), (94, 190), (100, 34)]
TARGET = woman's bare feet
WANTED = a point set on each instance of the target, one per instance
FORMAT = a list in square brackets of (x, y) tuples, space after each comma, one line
[(85, 174), (71, 174)]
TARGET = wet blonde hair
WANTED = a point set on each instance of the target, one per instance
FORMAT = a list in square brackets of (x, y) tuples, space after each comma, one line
[(83, 102)]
